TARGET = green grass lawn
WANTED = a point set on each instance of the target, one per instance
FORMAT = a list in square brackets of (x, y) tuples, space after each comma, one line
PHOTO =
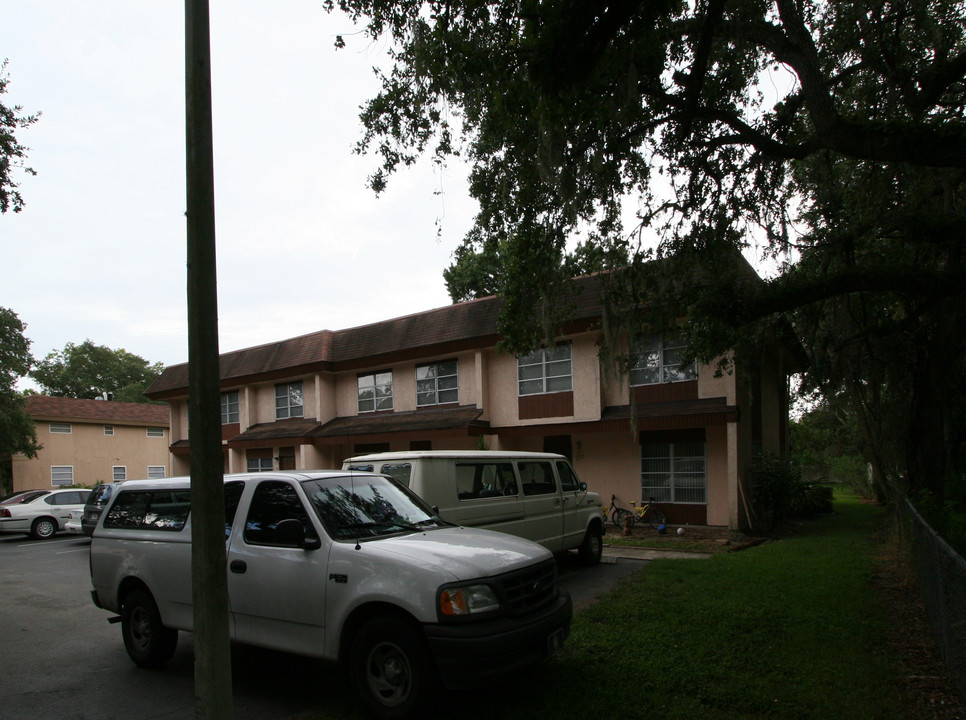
[(787, 629)]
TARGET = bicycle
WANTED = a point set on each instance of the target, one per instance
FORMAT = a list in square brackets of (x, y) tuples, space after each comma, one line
[(647, 512)]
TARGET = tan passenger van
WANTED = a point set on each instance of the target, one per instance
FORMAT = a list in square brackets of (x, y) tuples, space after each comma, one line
[(536, 496)]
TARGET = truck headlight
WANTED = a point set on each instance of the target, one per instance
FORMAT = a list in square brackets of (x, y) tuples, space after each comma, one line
[(467, 600)]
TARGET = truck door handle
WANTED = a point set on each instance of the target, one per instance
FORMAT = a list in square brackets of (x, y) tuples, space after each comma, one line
[(238, 566)]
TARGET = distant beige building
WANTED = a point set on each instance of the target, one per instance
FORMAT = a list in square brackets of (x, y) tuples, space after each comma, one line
[(85, 442), (437, 381)]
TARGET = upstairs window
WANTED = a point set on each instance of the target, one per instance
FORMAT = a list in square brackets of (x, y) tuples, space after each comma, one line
[(375, 392), (546, 370), (658, 361), (437, 384), (288, 400), (157, 432), (108, 429), (229, 407), (59, 428)]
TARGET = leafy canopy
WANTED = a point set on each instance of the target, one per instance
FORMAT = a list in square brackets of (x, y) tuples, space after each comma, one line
[(16, 428), (88, 371), (12, 152), (830, 135)]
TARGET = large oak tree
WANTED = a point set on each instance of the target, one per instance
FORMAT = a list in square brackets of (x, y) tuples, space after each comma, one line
[(832, 135)]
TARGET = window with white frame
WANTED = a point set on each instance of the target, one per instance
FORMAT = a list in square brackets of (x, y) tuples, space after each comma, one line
[(656, 361), (288, 400), (546, 370), (437, 383), (60, 428), (156, 432), (259, 464), (61, 475), (229, 407), (375, 392), (674, 472), (108, 429), (155, 472), (119, 473)]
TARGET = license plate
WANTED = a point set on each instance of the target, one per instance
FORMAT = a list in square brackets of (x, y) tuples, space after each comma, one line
[(555, 641)]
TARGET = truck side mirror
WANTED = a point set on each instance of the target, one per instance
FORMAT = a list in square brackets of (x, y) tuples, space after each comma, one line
[(290, 533)]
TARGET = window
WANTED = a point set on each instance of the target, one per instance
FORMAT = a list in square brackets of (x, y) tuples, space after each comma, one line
[(156, 432), (400, 471), (673, 472), (59, 428), (547, 370), (61, 475), (71, 497), (485, 480), (536, 478), (288, 400), (273, 502), (568, 479), (259, 464), (375, 392), (108, 429), (120, 473), (150, 510), (656, 361), (155, 471), (437, 384), (229, 407)]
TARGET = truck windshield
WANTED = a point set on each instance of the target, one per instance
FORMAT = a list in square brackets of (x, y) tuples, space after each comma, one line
[(355, 507)]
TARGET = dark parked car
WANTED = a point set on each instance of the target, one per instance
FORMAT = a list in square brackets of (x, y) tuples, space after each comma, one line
[(99, 498)]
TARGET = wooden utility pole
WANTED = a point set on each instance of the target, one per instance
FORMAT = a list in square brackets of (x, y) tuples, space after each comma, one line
[(213, 698)]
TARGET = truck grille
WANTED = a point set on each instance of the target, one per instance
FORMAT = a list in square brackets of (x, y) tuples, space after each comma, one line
[(528, 589)]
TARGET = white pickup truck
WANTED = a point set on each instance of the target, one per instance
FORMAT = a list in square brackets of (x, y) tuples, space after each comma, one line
[(345, 566)]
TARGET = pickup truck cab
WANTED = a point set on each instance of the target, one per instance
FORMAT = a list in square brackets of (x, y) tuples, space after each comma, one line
[(533, 495), (344, 566)]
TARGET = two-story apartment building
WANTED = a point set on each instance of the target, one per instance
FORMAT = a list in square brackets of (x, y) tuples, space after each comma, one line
[(85, 442), (436, 380)]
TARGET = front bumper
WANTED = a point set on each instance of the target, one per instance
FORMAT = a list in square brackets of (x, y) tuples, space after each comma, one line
[(471, 654)]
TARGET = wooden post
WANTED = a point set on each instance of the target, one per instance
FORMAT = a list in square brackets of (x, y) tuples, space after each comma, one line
[(213, 696)]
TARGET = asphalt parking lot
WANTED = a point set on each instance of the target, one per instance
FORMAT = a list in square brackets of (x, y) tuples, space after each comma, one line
[(62, 659)]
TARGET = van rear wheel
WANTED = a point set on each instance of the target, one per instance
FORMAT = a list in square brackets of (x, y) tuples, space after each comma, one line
[(148, 642)]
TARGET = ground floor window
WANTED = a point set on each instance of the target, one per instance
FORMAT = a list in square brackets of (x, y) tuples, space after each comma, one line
[(62, 475), (674, 472), (259, 460)]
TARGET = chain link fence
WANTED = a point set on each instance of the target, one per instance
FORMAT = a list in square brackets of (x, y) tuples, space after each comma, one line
[(942, 577)]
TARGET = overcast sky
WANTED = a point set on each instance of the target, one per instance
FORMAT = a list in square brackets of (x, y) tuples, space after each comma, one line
[(303, 245)]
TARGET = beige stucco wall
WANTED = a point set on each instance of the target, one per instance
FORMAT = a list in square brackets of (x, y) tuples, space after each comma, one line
[(92, 454)]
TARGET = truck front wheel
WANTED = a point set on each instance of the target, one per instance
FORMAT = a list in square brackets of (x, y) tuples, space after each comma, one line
[(391, 669), (148, 642)]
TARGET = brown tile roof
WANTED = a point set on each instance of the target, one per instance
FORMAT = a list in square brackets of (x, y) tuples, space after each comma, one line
[(45, 407), (457, 418), (442, 330)]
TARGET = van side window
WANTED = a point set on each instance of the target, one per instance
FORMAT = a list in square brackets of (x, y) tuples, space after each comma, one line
[(484, 479), (537, 478), (150, 510), (402, 472), (273, 502), (568, 478)]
